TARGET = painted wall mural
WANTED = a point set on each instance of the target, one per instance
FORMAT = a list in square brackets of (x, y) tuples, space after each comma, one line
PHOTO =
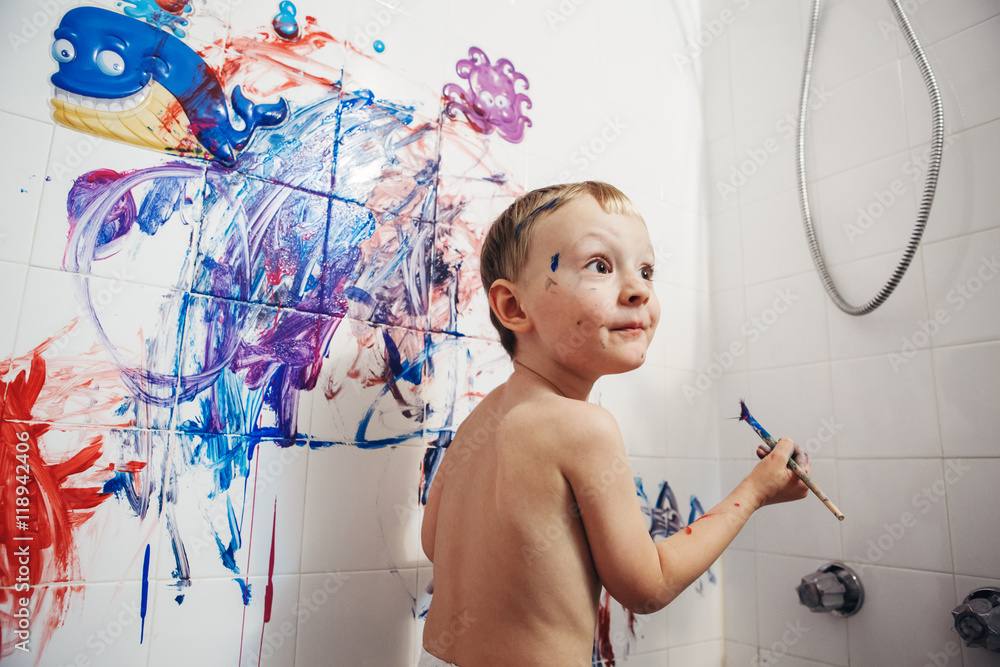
[(298, 270)]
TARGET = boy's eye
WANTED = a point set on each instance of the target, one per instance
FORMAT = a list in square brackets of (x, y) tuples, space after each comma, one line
[(646, 272), (600, 266)]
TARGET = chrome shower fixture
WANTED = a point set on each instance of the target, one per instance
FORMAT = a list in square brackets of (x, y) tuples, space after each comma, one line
[(977, 619), (833, 588), (930, 183)]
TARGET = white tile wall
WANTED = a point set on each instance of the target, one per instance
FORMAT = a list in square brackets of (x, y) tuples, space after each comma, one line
[(885, 411), (887, 591), (910, 389)]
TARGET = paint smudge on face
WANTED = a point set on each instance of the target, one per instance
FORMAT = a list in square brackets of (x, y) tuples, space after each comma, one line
[(555, 261), (688, 530)]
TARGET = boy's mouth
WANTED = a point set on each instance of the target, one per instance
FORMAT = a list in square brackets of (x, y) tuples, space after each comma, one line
[(630, 327)]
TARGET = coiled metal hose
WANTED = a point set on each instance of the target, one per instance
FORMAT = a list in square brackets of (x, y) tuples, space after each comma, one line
[(930, 184)]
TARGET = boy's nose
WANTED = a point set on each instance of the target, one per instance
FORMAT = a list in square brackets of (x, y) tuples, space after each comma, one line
[(635, 291)]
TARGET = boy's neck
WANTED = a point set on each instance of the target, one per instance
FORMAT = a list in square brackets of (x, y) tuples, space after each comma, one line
[(556, 379)]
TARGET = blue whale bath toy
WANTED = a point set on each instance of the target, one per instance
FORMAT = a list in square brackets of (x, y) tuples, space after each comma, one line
[(124, 79)]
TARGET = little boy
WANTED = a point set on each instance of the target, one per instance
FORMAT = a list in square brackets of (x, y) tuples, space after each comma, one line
[(533, 507)]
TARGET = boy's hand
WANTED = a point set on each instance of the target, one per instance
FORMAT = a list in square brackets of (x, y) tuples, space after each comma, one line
[(772, 481)]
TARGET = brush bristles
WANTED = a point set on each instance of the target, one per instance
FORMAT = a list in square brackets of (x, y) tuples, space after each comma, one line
[(744, 413)]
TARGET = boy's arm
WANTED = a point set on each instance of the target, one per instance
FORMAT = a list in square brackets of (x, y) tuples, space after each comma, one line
[(642, 575)]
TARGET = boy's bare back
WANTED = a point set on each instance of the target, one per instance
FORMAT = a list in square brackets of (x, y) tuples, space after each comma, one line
[(513, 573)]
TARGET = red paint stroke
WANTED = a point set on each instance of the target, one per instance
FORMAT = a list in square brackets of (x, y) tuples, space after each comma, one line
[(265, 65), (688, 530), (55, 502), (604, 648), (737, 504), (269, 590)]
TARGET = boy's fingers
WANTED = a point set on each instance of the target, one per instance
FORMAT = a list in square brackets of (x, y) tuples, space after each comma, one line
[(785, 449), (801, 458)]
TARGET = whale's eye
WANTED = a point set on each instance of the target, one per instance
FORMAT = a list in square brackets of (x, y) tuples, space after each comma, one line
[(110, 63), (63, 50)]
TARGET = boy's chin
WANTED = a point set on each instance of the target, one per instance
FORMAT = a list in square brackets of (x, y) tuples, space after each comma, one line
[(623, 364)]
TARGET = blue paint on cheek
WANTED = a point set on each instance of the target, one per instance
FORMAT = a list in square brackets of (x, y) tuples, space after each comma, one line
[(555, 261)]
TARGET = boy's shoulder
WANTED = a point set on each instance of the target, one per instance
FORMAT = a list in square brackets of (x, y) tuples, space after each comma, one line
[(558, 419)]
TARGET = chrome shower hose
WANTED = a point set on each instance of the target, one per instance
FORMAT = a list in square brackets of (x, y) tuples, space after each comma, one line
[(930, 184)]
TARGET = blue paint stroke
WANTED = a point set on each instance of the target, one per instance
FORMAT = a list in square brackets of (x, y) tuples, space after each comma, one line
[(145, 594), (531, 216), (555, 261), (244, 589)]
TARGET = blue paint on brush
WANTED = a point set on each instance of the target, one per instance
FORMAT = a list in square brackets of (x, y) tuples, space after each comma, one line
[(748, 418), (555, 261), (145, 594)]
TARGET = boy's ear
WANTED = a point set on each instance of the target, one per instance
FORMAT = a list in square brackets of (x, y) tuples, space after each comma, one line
[(506, 306)]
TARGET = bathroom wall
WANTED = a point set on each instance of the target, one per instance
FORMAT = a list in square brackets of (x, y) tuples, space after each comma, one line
[(231, 366), (895, 408)]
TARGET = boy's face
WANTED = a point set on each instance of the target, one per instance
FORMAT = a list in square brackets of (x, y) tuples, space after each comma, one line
[(587, 287)]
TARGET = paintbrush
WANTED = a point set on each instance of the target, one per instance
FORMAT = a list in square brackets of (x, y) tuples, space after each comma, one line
[(770, 443)]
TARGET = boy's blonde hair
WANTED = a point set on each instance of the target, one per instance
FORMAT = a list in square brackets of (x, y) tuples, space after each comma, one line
[(505, 249)]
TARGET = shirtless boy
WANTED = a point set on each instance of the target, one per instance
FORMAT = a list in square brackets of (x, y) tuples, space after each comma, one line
[(533, 507)]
